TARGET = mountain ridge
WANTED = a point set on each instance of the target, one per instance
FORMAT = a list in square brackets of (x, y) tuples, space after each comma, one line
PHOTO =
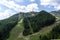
[(19, 27)]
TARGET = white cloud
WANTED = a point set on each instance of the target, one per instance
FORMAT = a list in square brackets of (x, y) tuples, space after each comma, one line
[(0, 8), (10, 4), (7, 13), (29, 7), (32, 7), (32, 0), (19, 1), (48, 2), (57, 7), (54, 3), (45, 2), (4, 15), (19, 8)]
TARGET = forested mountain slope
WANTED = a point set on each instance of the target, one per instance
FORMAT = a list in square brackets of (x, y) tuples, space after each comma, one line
[(27, 26)]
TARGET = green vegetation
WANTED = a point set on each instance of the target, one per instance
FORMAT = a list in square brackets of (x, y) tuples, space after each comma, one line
[(34, 37), (21, 39), (30, 26), (35, 23), (6, 26), (53, 34), (16, 31)]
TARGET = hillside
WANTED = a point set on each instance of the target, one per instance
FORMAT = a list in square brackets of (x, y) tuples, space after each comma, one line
[(16, 33), (18, 26), (56, 13), (35, 23), (8, 24)]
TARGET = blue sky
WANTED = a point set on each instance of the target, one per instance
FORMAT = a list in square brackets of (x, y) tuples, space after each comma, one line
[(11, 7)]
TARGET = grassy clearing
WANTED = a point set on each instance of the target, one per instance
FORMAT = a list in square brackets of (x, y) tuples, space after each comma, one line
[(43, 31), (34, 37), (16, 31), (21, 38)]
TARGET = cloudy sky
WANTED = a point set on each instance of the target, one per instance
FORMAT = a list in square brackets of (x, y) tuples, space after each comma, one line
[(11, 7)]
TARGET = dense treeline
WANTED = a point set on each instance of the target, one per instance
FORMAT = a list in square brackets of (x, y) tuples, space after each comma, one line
[(54, 34), (35, 23), (6, 26), (32, 24)]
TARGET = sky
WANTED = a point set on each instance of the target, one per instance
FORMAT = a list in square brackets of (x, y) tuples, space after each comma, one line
[(11, 7)]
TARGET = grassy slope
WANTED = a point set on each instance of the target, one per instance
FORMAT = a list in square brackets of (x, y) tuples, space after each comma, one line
[(16, 33), (44, 31)]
